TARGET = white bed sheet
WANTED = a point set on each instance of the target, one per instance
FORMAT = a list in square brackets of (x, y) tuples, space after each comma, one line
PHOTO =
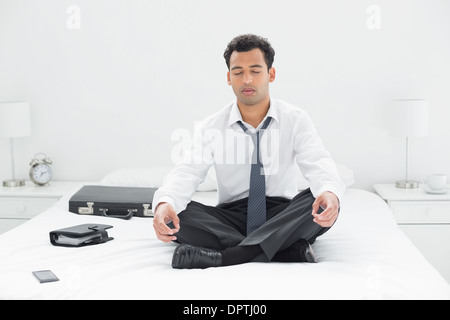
[(364, 256)]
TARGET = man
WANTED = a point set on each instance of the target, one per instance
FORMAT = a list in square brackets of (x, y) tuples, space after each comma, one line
[(260, 216)]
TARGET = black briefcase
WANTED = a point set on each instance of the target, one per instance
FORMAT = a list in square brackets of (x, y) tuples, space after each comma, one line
[(110, 201)]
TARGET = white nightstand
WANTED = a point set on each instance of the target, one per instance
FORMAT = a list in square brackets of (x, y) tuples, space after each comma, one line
[(19, 204), (425, 219)]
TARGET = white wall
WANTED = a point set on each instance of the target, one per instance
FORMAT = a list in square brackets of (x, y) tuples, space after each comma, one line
[(109, 94)]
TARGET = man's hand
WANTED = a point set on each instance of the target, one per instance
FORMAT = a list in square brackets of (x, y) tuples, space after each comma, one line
[(330, 205), (163, 215)]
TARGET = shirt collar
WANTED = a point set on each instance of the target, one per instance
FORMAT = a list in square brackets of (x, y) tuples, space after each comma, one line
[(235, 114)]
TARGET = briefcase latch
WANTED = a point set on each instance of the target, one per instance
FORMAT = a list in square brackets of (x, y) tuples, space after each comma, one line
[(147, 211), (87, 210)]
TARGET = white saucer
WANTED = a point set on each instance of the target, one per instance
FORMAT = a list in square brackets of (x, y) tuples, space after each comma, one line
[(429, 190)]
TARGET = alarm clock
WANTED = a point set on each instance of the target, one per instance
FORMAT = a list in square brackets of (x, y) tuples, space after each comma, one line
[(40, 171)]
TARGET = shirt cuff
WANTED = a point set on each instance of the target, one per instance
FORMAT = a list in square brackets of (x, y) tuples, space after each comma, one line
[(338, 192), (167, 199)]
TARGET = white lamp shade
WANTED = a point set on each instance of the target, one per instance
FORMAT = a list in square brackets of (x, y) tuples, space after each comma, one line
[(15, 119), (408, 118)]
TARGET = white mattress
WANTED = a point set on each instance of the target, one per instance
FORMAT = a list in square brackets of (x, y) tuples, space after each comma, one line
[(364, 256)]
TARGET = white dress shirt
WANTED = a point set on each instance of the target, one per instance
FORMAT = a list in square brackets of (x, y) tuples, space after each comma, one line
[(289, 141)]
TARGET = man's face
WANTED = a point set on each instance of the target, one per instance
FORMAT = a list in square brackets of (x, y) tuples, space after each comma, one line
[(249, 76)]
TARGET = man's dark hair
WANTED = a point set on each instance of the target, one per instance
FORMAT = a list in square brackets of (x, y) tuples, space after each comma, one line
[(248, 42)]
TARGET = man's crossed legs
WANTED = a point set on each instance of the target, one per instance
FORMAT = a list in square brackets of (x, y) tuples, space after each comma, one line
[(216, 236)]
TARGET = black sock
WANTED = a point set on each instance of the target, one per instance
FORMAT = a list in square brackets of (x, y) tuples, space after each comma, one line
[(238, 255), (293, 253)]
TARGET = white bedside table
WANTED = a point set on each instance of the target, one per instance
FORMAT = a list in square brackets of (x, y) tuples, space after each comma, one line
[(19, 204), (425, 219)]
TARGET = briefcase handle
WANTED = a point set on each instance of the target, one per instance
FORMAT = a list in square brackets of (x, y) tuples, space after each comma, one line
[(117, 213)]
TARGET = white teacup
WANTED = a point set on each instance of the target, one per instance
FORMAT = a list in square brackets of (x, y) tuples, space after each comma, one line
[(437, 181)]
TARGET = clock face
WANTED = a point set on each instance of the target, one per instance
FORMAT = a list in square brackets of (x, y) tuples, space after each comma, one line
[(41, 174)]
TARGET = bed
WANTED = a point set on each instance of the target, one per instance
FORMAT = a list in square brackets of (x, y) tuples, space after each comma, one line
[(364, 256)]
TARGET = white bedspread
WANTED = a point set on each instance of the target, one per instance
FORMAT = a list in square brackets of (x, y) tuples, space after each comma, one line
[(364, 256)]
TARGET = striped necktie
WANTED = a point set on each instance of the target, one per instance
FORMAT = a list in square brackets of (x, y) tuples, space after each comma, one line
[(256, 208)]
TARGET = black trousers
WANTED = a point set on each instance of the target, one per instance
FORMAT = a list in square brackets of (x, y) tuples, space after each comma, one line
[(224, 226)]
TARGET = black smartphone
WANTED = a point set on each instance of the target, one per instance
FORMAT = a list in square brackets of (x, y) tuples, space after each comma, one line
[(45, 276)]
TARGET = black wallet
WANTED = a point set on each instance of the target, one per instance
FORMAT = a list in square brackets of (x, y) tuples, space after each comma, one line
[(80, 235)]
